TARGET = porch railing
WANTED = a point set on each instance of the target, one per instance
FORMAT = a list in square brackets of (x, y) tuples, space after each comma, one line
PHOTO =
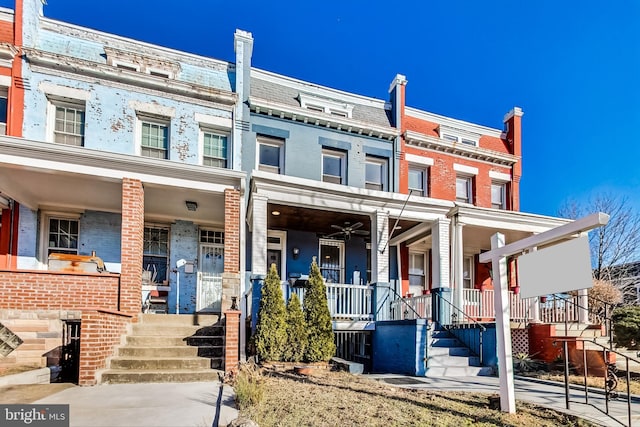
[(348, 302), (411, 308)]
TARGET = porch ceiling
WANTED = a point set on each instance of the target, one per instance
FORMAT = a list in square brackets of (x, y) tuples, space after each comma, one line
[(476, 238), (320, 221)]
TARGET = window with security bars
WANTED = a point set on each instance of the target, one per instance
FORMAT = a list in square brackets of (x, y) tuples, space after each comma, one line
[(63, 236), (69, 126), (155, 140), (215, 150), (211, 236), (156, 252)]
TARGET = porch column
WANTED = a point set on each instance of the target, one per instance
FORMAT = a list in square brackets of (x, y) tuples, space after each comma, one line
[(583, 306), (458, 265), (380, 249), (231, 275), (131, 244), (440, 253), (259, 235)]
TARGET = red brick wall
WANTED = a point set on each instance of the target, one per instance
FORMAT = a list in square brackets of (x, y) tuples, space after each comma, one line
[(100, 334), (46, 290), (231, 340), (231, 231), (514, 137), (6, 32), (131, 246)]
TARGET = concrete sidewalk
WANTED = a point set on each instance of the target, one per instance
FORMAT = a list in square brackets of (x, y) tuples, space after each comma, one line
[(544, 393), (154, 405)]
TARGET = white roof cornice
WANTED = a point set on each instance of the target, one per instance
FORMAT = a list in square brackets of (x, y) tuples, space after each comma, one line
[(506, 220), (311, 117), (303, 192), (453, 123), (463, 150), (56, 63)]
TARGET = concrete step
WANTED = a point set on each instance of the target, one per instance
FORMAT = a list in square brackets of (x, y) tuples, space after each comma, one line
[(458, 371), (210, 351), (129, 376), (163, 330), (180, 319), (448, 351), (182, 351), (205, 340), (444, 342), (156, 363), (155, 341), (577, 331), (440, 334), (441, 361)]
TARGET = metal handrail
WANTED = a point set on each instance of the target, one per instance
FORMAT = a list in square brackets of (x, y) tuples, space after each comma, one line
[(400, 298), (610, 378), (474, 322)]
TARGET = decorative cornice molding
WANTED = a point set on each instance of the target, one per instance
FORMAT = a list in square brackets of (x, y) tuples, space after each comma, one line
[(463, 150), (55, 64), (307, 116)]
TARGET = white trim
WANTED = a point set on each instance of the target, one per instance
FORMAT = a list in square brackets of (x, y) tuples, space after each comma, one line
[(214, 121), (327, 152), (53, 103), (60, 91), (145, 108), (421, 160), (123, 65), (282, 247), (425, 178), (205, 129), (341, 246), (515, 111), (141, 117), (328, 106), (273, 142), (380, 161), (5, 81), (164, 74), (500, 176), (469, 170), (45, 216)]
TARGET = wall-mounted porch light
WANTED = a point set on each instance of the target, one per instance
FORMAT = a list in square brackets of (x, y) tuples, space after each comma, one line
[(296, 252), (191, 206)]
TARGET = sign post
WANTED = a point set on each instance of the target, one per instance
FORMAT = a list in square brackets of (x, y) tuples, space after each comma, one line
[(498, 258)]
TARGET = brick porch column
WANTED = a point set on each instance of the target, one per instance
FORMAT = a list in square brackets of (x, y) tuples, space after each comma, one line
[(132, 235), (232, 340), (231, 275)]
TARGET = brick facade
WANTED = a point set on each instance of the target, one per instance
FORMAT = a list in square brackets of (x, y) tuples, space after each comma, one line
[(100, 334), (232, 340), (231, 231), (132, 246), (48, 290)]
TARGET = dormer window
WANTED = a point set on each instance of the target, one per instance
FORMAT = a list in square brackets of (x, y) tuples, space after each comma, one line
[(126, 66), (137, 62), (324, 105), (459, 136)]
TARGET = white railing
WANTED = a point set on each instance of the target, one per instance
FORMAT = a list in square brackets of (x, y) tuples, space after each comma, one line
[(411, 308), (352, 302), (559, 309)]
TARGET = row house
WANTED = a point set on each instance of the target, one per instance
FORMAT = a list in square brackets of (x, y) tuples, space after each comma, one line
[(177, 174)]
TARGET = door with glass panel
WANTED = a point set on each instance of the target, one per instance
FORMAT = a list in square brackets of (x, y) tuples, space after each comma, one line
[(331, 261), (210, 269)]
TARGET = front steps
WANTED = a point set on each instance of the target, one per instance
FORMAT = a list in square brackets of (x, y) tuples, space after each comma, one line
[(447, 357), (169, 348)]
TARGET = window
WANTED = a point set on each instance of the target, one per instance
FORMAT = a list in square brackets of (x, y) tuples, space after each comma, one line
[(332, 260), (457, 138), (417, 272), (3, 111), (463, 189), (63, 236), (214, 150), (376, 173), (270, 154), (154, 139), (498, 195), (333, 166), (156, 252), (467, 272), (69, 124), (418, 181), (324, 105)]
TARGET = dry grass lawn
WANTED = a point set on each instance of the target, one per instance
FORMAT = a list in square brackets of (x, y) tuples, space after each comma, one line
[(341, 399)]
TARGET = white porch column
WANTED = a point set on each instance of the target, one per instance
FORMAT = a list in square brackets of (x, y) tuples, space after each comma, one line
[(259, 235), (440, 253), (458, 264), (380, 242), (583, 306)]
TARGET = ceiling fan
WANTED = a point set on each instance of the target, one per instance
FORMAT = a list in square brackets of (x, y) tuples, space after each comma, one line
[(348, 229)]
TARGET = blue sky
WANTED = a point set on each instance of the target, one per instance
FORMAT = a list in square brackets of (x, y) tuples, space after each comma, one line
[(573, 67)]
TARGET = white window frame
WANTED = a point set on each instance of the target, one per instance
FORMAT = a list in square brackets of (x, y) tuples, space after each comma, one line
[(425, 179), (343, 165), (46, 216), (425, 267), (52, 107), (272, 142), (203, 131), (160, 73), (161, 121), (340, 245), (281, 246), (469, 185), (384, 164), (4, 93), (317, 104), (127, 66), (503, 194), (470, 259), (459, 136)]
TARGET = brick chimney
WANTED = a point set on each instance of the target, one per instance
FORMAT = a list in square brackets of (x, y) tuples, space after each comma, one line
[(513, 135)]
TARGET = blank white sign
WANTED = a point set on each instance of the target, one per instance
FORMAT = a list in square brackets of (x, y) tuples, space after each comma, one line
[(559, 268)]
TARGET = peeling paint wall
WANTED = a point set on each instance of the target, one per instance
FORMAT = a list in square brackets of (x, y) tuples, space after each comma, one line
[(27, 242), (183, 245), (100, 232)]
